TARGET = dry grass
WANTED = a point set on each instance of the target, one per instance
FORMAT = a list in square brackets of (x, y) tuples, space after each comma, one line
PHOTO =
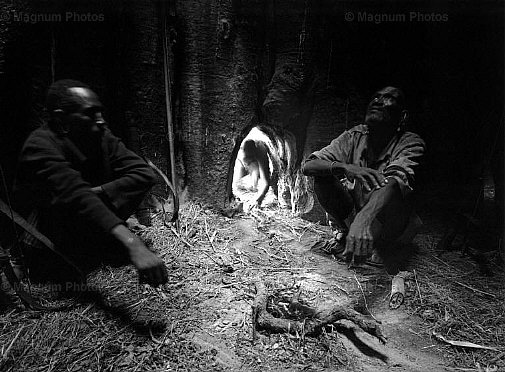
[(206, 304), (207, 271), (457, 301), (87, 337)]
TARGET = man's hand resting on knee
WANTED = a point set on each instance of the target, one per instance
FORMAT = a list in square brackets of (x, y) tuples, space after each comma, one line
[(151, 268), (370, 178)]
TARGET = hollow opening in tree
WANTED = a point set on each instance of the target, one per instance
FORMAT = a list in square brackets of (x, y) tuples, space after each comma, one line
[(255, 169)]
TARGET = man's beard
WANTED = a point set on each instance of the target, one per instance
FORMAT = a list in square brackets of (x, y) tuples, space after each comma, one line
[(375, 118)]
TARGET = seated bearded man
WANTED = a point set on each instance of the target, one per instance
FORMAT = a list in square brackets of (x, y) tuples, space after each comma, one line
[(366, 176)]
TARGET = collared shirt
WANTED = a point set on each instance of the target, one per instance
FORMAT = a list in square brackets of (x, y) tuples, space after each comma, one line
[(398, 159)]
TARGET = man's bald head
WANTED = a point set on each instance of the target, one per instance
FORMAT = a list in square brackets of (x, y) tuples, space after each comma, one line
[(76, 112), (65, 95)]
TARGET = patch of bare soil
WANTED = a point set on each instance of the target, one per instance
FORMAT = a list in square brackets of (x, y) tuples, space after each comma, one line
[(215, 265)]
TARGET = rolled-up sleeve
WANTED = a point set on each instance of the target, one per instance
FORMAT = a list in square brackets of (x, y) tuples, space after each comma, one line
[(338, 150)]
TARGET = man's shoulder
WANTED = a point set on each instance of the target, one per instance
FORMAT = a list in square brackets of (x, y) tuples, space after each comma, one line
[(41, 136), (353, 133), (358, 129), (411, 137), (42, 131)]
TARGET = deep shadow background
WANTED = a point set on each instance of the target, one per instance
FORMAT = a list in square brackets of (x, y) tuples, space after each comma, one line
[(451, 71)]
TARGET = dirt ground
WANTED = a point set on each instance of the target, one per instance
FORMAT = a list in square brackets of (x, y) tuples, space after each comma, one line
[(215, 263)]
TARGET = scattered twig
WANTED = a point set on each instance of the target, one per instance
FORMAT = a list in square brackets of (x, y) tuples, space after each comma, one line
[(439, 337), (284, 268), (364, 298), (180, 237), (155, 340), (414, 332), (271, 254), (475, 289), (5, 354), (418, 289), (497, 358), (445, 263), (234, 283), (342, 289), (212, 258), (211, 239)]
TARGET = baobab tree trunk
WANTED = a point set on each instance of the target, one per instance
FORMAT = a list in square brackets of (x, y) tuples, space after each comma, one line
[(217, 82), (244, 64)]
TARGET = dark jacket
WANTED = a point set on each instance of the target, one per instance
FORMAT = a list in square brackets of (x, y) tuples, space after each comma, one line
[(55, 178)]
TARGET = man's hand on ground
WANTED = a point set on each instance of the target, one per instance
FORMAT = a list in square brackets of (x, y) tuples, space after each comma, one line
[(369, 178), (151, 268), (360, 239)]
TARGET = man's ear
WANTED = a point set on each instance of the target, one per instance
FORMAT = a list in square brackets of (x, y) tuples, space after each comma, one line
[(404, 116), (57, 120)]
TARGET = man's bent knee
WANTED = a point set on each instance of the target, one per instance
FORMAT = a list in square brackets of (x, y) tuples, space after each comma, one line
[(333, 196)]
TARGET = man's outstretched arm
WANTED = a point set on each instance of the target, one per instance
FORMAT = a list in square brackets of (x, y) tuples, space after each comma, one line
[(150, 267)]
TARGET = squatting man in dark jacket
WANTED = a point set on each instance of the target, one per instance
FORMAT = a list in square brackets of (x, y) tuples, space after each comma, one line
[(78, 183), (369, 169)]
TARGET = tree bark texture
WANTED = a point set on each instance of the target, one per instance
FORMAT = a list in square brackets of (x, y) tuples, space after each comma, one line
[(217, 92)]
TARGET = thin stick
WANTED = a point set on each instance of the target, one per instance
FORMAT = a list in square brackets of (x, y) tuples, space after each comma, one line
[(6, 353), (212, 258), (208, 236), (445, 263), (364, 298), (497, 358), (232, 284), (284, 268), (342, 289), (475, 289), (271, 254), (155, 340), (418, 289), (180, 237)]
